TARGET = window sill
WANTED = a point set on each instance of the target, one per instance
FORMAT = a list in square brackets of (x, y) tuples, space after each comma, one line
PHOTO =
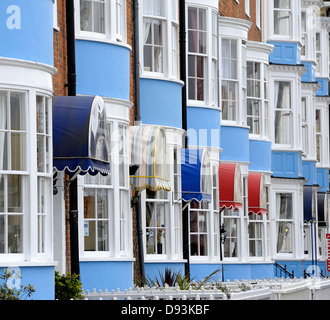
[(106, 259), (102, 39), (34, 263), (164, 260), (160, 77)]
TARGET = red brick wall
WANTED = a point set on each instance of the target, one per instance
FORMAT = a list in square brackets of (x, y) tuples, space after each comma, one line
[(60, 56), (59, 81), (230, 8)]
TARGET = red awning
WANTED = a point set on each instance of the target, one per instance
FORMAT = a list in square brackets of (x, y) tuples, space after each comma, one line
[(257, 194), (230, 186)]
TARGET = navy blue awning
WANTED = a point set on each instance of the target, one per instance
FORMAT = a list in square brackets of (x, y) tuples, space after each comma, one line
[(80, 135), (196, 175)]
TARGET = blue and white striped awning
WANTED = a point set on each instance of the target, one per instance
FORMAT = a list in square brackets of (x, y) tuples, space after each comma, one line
[(80, 135), (196, 175), (148, 151)]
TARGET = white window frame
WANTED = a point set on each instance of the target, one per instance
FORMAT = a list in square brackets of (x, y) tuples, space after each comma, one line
[(290, 17), (111, 24), (231, 79), (210, 60), (170, 42), (164, 201), (32, 238)]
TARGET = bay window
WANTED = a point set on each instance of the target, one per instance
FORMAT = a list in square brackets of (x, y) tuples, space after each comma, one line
[(283, 112), (13, 163), (283, 17), (229, 84), (25, 171)]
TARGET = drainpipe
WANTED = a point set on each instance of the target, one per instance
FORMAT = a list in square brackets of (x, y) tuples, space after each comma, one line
[(183, 72), (71, 85), (137, 122), (137, 118)]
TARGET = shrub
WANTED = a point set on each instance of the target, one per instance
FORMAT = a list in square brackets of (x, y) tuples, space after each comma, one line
[(12, 293), (68, 287)]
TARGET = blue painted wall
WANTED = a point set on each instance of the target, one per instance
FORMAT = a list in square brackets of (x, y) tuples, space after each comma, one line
[(102, 275), (235, 143), (153, 270), (203, 127), (233, 271), (161, 102), (309, 172), (103, 69), (260, 155), (309, 76), (285, 53), (33, 40), (323, 179), (298, 267), (287, 164), (43, 280), (324, 90)]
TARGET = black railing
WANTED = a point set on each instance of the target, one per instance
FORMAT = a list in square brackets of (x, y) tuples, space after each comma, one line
[(307, 275), (282, 272)]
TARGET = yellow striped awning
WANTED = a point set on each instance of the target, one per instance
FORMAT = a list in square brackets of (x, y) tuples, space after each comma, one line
[(148, 151)]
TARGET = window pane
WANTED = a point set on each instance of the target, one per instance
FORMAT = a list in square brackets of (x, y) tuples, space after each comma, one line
[(14, 194), (86, 15), (203, 245), (284, 237), (282, 23), (99, 17), (2, 193), (3, 110), (18, 151), (102, 204), (90, 235), (284, 206), (15, 234), (282, 4), (89, 204), (17, 112), (103, 235), (192, 18), (3, 151), (2, 234), (147, 53)]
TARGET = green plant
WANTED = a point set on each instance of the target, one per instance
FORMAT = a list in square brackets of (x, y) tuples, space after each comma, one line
[(68, 287), (12, 293), (173, 278)]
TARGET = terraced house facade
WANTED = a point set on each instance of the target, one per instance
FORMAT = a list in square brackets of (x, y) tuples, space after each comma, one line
[(152, 134)]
